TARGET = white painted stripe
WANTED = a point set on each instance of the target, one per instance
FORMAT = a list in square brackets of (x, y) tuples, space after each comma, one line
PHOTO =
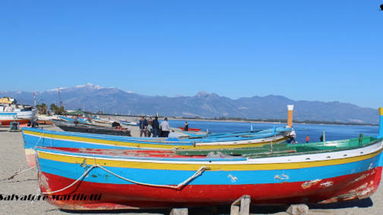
[(273, 160)]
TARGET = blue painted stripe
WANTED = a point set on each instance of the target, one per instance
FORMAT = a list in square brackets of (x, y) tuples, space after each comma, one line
[(31, 142), (173, 177), (148, 140), (174, 141), (380, 135), (8, 114), (103, 156), (72, 120)]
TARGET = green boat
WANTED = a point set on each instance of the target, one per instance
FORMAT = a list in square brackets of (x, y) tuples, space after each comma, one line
[(283, 149)]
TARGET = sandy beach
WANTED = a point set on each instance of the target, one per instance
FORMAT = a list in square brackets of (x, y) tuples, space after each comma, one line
[(12, 160)]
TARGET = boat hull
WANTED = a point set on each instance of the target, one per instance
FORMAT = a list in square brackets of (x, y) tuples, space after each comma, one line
[(7, 122), (95, 130), (22, 117), (123, 196), (190, 129), (44, 122), (36, 137), (137, 182)]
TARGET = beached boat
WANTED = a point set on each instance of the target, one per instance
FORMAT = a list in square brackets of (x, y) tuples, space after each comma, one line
[(190, 129), (102, 121), (12, 112), (92, 129), (275, 149), (35, 137), (81, 120), (38, 137), (43, 119), (313, 175), (128, 123), (178, 133), (98, 119)]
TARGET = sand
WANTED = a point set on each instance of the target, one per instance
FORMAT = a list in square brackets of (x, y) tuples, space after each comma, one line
[(12, 160)]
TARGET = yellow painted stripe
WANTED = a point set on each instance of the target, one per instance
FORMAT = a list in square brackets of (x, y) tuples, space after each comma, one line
[(182, 166), (148, 145)]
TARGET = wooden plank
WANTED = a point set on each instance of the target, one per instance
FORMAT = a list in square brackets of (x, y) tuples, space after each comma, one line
[(241, 206), (298, 209), (234, 210), (245, 205), (179, 211)]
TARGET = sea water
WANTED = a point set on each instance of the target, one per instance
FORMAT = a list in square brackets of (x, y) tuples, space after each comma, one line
[(314, 131)]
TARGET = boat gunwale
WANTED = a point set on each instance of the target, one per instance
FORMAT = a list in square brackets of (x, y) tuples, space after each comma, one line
[(372, 149), (143, 140)]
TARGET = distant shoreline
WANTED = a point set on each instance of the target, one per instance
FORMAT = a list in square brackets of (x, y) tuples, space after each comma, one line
[(269, 121)]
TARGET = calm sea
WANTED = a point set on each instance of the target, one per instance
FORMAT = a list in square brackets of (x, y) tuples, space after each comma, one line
[(333, 132)]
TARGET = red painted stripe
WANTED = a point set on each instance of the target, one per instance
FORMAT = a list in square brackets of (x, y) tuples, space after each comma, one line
[(190, 129), (123, 152), (353, 186), (44, 122), (8, 122)]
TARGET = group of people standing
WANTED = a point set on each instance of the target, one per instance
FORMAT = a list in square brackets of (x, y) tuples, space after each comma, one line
[(292, 138), (152, 128)]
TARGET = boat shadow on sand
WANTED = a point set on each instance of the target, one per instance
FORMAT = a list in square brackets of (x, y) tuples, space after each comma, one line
[(255, 209), (363, 203)]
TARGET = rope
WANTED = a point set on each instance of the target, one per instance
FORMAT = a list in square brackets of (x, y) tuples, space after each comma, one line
[(17, 173), (180, 185), (70, 185), (196, 174), (37, 142), (24, 170)]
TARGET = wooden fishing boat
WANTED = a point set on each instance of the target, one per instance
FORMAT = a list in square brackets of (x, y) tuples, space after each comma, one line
[(43, 119), (34, 137), (322, 175), (7, 118), (287, 148), (128, 123), (178, 133), (12, 112), (89, 128), (97, 119), (80, 120), (190, 129), (44, 122)]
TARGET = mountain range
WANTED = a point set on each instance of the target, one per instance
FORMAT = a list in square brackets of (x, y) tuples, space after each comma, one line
[(95, 98)]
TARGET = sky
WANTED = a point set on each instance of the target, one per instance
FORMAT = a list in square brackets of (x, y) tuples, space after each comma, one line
[(305, 50)]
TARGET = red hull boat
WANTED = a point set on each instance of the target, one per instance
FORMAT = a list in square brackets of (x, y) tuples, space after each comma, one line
[(112, 197), (190, 129), (156, 179), (8, 122)]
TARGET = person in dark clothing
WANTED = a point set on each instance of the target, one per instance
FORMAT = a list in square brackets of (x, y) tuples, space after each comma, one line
[(156, 127), (143, 124), (75, 121), (116, 125), (186, 127), (33, 124), (321, 138)]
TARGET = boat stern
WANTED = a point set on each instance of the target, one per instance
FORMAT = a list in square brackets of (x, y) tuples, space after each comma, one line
[(380, 135), (31, 141)]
